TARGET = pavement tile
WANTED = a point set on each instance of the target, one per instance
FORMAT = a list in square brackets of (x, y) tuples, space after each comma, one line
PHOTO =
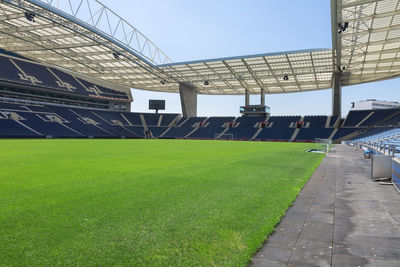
[(340, 218)]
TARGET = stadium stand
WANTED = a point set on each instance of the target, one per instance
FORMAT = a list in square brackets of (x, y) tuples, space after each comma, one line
[(183, 127), (379, 116), (388, 138), (30, 106), (244, 128), (355, 117), (211, 127), (20, 71), (308, 134), (27, 119)]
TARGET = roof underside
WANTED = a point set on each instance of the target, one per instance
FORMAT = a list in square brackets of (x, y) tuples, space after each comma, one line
[(276, 73), (85, 37), (370, 46)]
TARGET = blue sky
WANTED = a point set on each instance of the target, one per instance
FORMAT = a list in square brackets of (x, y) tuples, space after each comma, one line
[(192, 30)]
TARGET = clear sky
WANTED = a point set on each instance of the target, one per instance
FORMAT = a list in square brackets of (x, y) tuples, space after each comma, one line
[(191, 30)]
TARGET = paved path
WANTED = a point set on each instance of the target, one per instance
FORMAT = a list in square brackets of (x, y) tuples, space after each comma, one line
[(340, 218)]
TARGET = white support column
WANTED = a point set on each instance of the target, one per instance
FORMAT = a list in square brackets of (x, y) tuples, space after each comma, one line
[(336, 95), (247, 98), (262, 97), (188, 95)]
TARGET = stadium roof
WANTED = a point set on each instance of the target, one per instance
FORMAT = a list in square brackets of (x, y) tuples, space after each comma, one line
[(87, 37), (370, 46)]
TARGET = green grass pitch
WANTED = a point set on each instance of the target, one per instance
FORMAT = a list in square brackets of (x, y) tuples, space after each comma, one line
[(144, 202)]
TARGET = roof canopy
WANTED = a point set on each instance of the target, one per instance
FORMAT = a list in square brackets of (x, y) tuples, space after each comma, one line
[(86, 37), (370, 46)]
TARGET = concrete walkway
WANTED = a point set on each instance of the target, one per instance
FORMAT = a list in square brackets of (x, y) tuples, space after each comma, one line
[(340, 218)]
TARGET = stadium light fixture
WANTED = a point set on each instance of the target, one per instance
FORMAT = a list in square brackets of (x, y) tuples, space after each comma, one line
[(342, 27), (116, 55), (30, 16)]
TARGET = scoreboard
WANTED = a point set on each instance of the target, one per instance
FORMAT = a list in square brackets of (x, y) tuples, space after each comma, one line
[(156, 105)]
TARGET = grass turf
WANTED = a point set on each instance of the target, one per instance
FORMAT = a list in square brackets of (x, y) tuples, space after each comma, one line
[(144, 202)]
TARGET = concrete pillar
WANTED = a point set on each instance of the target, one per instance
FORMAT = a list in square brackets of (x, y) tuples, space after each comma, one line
[(247, 98), (188, 95), (336, 95), (262, 97)]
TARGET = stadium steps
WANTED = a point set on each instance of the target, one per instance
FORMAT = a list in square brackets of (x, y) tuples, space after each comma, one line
[(295, 133), (197, 126), (172, 124), (29, 128), (184, 121), (328, 121), (222, 133), (160, 120), (69, 128), (175, 120), (346, 137), (333, 133), (108, 122), (366, 118), (15, 117), (91, 122), (388, 118), (144, 122), (123, 116), (100, 117), (256, 134), (165, 132)]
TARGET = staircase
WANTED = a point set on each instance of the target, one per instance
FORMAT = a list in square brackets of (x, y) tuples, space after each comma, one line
[(256, 134), (295, 133), (366, 118)]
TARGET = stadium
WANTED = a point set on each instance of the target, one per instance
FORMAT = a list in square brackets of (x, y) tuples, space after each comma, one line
[(86, 181)]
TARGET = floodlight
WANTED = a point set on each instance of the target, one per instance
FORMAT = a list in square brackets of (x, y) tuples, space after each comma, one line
[(116, 55), (30, 16), (342, 27)]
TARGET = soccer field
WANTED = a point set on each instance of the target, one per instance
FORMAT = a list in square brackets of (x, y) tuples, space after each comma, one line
[(144, 202)]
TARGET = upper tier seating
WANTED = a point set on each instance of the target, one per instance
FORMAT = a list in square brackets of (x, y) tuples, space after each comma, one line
[(30, 73)]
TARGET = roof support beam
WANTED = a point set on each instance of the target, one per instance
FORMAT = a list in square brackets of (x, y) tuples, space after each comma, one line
[(358, 3), (258, 81), (188, 94), (336, 18), (337, 95), (245, 86), (220, 76)]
